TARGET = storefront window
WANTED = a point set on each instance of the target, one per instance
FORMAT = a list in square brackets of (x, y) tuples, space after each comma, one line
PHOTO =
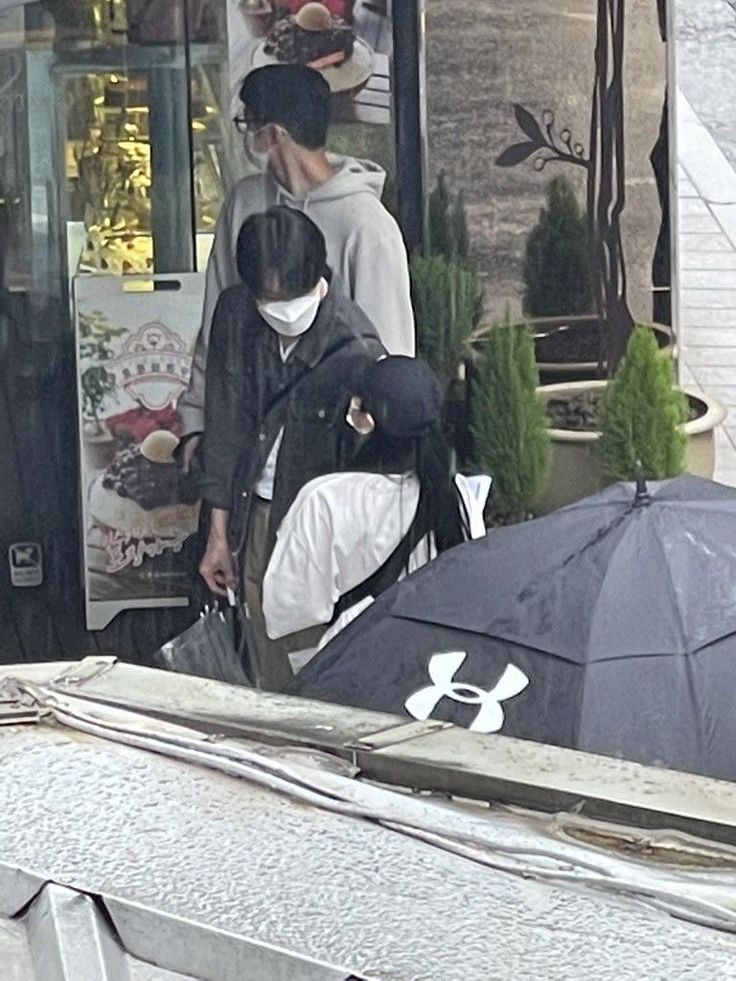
[(136, 150), (556, 109), (117, 152), (129, 201), (262, 32)]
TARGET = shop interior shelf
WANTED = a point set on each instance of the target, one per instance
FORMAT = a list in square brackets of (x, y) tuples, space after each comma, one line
[(139, 58)]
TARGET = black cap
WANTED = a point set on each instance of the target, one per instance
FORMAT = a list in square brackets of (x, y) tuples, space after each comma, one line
[(292, 96), (403, 395)]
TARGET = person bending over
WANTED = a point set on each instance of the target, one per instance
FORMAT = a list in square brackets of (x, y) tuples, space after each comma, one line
[(286, 351), (350, 535)]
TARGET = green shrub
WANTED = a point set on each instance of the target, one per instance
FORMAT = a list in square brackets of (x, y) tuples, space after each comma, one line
[(447, 302), (557, 263), (448, 223), (641, 415), (446, 292), (508, 424)]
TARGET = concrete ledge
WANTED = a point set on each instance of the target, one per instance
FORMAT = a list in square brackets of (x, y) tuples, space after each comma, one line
[(433, 757)]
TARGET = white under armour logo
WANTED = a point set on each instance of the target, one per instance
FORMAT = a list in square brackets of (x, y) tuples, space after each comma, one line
[(442, 670)]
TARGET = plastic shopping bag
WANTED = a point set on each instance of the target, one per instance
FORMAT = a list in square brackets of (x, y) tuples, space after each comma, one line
[(213, 647)]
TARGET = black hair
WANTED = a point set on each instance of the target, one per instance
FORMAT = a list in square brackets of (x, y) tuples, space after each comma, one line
[(293, 96), (405, 399), (428, 456), (281, 247)]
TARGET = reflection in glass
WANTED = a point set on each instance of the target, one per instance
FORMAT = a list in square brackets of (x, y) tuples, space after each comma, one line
[(526, 94)]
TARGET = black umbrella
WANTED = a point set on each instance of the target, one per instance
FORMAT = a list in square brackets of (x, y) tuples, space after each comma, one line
[(608, 626)]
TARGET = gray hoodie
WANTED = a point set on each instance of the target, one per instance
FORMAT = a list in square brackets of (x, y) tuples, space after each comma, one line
[(365, 250)]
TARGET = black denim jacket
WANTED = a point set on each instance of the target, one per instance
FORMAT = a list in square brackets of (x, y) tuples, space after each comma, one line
[(251, 393)]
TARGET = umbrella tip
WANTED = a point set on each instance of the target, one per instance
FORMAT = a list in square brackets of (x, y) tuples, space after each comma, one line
[(642, 492)]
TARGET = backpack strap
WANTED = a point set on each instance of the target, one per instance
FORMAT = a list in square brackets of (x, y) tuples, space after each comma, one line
[(386, 575)]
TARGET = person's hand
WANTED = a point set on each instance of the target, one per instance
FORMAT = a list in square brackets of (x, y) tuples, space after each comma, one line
[(187, 452), (216, 567)]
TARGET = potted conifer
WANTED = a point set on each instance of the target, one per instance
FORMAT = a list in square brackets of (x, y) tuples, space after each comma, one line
[(557, 257), (558, 297), (508, 425), (448, 303), (445, 300), (599, 430)]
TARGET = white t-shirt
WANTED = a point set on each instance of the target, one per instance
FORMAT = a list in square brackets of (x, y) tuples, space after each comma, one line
[(264, 487), (340, 529)]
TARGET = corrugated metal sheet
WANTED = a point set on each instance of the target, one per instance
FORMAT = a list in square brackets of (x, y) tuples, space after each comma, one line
[(195, 868), (64, 935)]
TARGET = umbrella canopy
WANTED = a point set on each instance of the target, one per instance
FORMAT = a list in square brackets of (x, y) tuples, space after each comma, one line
[(608, 626)]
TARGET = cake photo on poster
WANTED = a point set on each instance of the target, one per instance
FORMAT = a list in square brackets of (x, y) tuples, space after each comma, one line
[(141, 501), (140, 509), (313, 36), (339, 38)]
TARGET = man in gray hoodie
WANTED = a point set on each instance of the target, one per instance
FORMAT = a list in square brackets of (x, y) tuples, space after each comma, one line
[(286, 112)]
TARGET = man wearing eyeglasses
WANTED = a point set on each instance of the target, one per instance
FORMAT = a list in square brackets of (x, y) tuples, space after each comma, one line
[(286, 113)]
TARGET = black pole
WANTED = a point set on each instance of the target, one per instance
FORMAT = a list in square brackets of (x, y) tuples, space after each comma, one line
[(660, 160), (409, 105), (641, 498), (171, 193)]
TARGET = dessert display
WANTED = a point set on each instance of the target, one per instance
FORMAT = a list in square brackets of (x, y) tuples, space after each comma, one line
[(142, 501), (134, 425), (108, 163), (320, 36), (313, 36), (140, 510), (105, 22), (163, 23), (148, 474), (339, 8)]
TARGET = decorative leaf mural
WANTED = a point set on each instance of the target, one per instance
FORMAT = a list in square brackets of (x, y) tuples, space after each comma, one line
[(606, 173)]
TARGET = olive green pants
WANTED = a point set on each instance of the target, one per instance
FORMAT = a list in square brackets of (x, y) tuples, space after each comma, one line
[(269, 658)]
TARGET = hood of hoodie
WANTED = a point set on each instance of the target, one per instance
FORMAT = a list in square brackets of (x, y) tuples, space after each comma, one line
[(351, 177)]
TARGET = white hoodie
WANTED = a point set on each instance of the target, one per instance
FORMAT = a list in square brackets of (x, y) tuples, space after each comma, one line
[(365, 250)]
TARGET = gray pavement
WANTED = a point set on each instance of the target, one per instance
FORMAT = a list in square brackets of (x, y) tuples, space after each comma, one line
[(706, 147)]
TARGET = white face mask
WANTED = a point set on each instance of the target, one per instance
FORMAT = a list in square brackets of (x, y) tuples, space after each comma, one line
[(258, 158), (291, 318)]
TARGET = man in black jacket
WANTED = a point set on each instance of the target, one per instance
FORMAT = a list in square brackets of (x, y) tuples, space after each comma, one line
[(285, 353)]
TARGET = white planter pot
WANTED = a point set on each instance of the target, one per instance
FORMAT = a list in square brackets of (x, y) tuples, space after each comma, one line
[(575, 471)]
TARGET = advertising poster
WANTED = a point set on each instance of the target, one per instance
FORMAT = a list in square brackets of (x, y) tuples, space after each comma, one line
[(135, 340), (348, 41)]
